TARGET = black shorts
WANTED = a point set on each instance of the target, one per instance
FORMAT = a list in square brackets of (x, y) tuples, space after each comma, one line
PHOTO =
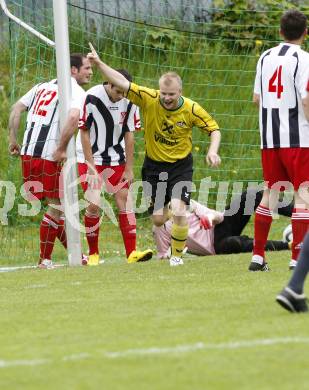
[(163, 181)]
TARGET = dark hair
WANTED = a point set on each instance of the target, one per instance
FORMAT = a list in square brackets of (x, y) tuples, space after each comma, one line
[(125, 73), (293, 24), (76, 59)]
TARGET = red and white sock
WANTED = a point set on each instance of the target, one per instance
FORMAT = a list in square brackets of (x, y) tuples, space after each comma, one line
[(300, 226), (92, 225), (127, 224), (61, 234), (262, 223), (48, 234)]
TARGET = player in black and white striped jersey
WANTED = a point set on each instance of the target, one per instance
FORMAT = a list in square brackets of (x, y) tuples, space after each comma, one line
[(105, 147), (39, 152), (280, 90)]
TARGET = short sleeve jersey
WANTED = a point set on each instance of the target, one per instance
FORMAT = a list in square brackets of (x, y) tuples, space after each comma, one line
[(281, 79), (168, 133), (42, 131), (107, 122)]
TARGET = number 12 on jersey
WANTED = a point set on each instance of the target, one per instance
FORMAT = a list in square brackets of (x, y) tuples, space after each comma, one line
[(274, 84)]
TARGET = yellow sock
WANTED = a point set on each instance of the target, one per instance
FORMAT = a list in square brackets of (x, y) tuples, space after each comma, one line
[(178, 239)]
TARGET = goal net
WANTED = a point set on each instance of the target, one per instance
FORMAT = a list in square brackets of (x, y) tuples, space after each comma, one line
[(213, 45)]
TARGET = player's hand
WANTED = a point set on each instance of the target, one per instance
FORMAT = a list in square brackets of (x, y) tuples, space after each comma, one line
[(127, 176), (213, 159), (59, 155), (205, 222), (92, 177), (93, 56), (14, 149)]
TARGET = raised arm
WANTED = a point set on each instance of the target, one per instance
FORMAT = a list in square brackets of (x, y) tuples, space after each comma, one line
[(109, 73), (14, 123)]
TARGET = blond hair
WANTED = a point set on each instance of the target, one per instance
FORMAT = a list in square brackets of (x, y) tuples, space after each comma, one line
[(167, 78)]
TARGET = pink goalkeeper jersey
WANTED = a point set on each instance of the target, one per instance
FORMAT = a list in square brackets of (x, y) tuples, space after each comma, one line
[(199, 242)]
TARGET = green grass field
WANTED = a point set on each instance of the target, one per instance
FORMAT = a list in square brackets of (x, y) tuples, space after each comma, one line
[(207, 325)]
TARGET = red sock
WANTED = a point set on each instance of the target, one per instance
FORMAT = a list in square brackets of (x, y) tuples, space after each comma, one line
[(48, 234), (300, 226), (61, 234), (127, 224), (262, 223), (92, 225)]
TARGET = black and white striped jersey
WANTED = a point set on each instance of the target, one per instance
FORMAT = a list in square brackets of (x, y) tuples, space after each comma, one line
[(281, 80), (42, 131), (107, 122)]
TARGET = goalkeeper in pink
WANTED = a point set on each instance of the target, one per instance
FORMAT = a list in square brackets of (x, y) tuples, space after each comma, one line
[(212, 232)]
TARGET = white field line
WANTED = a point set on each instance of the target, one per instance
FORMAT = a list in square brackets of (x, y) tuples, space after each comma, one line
[(178, 349), (202, 346), (17, 268)]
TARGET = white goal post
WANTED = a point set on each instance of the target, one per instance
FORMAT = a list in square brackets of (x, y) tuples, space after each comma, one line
[(61, 44)]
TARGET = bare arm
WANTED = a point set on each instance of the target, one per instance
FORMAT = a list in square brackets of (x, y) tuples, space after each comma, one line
[(14, 123), (68, 130), (129, 148), (256, 99), (212, 157), (92, 173), (305, 102), (85, 140), (111, 74)]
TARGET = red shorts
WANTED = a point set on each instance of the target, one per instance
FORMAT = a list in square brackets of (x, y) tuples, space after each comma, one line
[(285, 167), (41, 177), (109, 175)]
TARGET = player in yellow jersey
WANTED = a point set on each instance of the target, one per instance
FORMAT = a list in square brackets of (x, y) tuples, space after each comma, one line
[(168, 167)]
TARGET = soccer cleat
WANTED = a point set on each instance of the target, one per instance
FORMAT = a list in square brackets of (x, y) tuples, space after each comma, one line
[(292, 264), (174, 261), (258, 264), (46, 264), (258, 267), (289, 300), (136, 256), (93, 259)]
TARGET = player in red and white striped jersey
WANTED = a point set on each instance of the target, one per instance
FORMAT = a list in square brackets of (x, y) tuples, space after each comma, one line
[(41, 169), (105, 148), (280, 90)]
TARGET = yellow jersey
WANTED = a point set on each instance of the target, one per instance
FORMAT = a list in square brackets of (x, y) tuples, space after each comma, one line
[(168, 133)]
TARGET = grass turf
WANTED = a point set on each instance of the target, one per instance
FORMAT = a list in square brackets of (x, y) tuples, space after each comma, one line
[(59, 327)]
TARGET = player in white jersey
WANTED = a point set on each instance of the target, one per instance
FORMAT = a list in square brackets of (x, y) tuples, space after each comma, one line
[(105, 147), (292, 297), (41, 171), (280, 90), (212, 232)]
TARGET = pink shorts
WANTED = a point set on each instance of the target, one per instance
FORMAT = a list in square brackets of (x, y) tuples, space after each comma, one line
[(41, 177), (109, 175), (285, 167)]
